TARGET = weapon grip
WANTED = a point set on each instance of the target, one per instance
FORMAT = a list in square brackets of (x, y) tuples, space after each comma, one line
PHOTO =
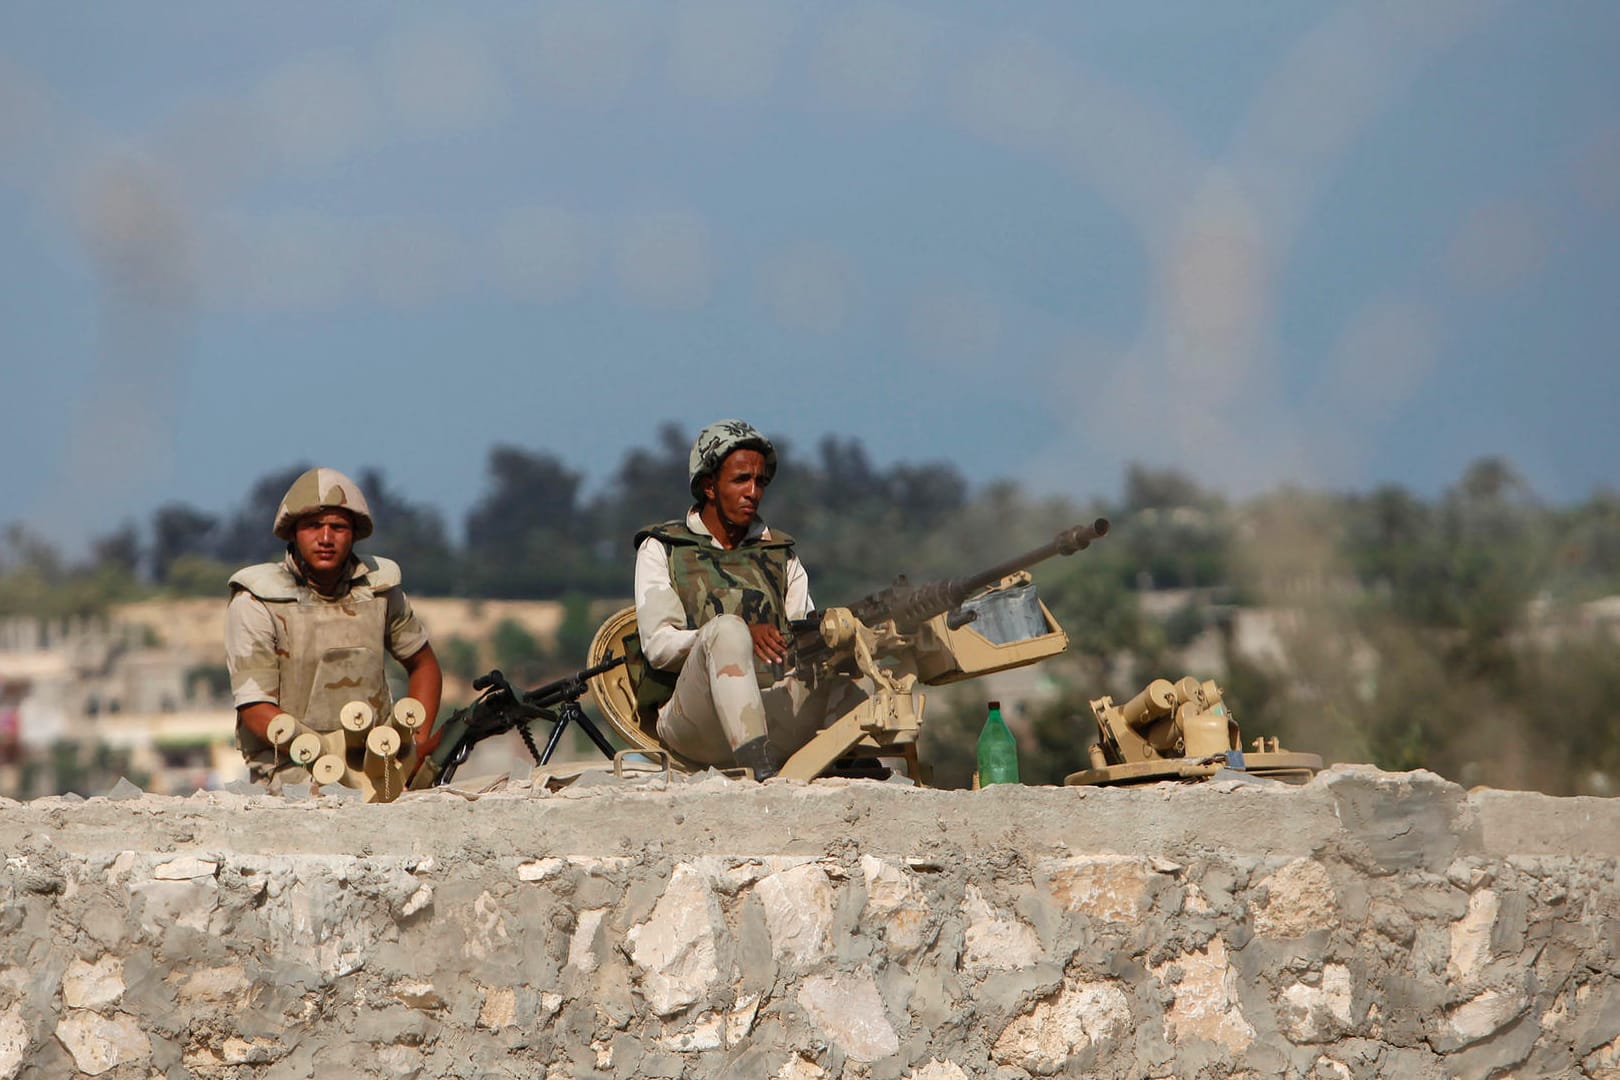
[(492, 679)]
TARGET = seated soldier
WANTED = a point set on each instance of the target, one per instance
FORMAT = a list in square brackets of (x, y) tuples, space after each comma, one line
[(715, 592), (306, 635)]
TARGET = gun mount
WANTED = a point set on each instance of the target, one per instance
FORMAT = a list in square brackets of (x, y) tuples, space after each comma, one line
[(1180, 731), (890, 641)]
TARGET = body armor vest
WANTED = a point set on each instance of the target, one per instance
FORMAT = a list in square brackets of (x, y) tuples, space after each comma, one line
[(749, 581), (329, 652)]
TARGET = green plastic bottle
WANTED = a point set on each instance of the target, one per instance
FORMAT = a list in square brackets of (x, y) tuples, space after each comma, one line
[(998, 751)]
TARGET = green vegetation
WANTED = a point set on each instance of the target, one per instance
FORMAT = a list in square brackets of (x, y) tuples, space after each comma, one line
[(1442, 633), (459, 657), (517, 653)]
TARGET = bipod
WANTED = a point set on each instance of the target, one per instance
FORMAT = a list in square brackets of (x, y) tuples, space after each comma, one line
[(569, 712)]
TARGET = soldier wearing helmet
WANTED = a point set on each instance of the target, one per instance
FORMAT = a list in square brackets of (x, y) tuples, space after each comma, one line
[(715, 592), (306, 635)]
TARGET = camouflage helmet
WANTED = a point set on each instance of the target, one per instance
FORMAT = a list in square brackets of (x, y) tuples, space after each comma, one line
[(721, 438), (322, 489)]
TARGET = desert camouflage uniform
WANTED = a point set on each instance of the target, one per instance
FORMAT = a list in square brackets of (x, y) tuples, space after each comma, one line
[(310, 653), (317, 489)]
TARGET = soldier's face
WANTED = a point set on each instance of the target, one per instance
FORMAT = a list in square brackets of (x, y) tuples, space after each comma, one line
[(737, 487), (324, 540)]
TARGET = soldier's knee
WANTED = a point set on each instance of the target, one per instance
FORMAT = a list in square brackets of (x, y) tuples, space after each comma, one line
[(727, 639)]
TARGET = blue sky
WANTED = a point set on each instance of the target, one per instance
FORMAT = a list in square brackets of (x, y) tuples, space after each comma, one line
[(1330, 244)]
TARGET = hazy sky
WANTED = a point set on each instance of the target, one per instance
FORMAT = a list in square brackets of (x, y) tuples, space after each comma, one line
[(1337, 244)]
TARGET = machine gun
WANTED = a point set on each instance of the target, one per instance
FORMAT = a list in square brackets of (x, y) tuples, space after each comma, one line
[(500, 708), (936, 633), (909, 633), (907, 608)]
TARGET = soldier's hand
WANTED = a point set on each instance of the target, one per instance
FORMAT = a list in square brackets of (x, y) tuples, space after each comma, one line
[(768, 643)]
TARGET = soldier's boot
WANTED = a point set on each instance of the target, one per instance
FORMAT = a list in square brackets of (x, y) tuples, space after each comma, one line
[(757, 755)]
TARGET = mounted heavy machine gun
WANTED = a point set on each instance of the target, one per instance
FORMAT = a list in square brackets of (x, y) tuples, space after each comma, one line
[(933, 634)]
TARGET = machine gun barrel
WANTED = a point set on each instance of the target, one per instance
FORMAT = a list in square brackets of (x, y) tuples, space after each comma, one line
[(911, 606), (566, 688)]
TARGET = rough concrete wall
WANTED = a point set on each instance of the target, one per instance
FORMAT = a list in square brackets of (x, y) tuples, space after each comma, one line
[(1366, 925)]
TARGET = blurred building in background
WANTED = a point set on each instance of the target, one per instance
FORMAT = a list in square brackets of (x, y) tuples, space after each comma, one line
[(85, 700)]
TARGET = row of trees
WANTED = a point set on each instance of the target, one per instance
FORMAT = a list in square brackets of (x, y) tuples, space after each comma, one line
[(1443, 632), (533, 533)]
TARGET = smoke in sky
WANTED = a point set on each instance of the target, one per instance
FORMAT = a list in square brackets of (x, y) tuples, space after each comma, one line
[(221, 201), (136, 231)]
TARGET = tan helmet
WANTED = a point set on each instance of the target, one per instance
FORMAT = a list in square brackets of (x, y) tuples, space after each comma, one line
[(721, 438), (322, 489)]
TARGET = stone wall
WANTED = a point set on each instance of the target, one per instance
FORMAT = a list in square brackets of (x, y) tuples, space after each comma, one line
[(1366, 925)]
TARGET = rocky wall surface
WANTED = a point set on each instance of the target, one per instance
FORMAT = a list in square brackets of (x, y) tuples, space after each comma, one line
[(1367, 924)]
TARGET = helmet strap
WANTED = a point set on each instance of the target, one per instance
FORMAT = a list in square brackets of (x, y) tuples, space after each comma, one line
[(300, 569)]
